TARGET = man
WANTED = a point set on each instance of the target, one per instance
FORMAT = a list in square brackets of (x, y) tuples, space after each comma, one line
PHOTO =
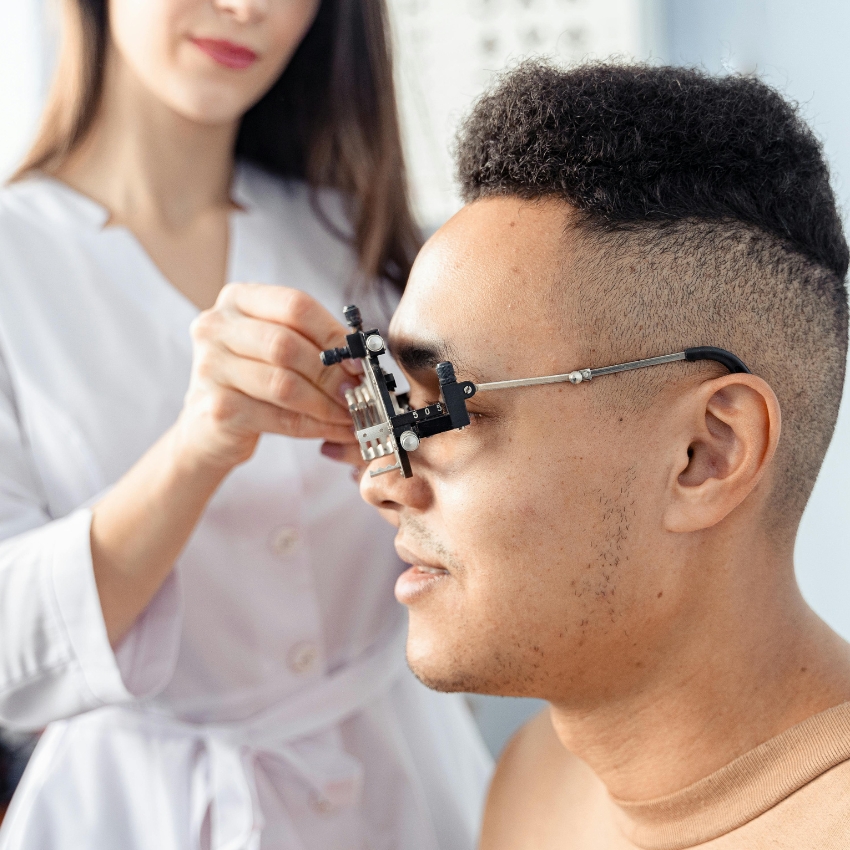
[(623, 547)]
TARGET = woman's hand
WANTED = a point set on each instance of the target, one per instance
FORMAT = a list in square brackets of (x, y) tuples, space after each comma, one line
[(256, 368)]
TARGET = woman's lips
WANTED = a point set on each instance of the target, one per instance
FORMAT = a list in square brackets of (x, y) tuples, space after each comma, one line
[(416, 581), (226, 52)]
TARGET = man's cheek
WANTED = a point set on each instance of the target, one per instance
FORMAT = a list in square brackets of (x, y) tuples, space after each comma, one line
[(491, 511)]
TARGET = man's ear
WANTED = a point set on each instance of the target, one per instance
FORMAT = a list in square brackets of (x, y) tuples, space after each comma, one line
[(726, 440)]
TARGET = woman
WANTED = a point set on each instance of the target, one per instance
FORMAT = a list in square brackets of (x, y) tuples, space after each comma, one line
[(204, 615)]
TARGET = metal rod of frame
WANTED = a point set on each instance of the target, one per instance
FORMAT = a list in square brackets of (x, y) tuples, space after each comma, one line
[(580, 375), (638, 364), (522, 382)]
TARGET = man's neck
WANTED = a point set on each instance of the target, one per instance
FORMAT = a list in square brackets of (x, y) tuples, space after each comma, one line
[(758, 662), (147, 164)]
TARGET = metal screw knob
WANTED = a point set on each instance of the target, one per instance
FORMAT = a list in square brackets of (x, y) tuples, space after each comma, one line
[(352, 317), (445, 372), (334, 355), (374, 343), (409, 441)]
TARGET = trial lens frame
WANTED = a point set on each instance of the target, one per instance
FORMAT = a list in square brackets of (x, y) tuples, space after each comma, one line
[(385, 424)]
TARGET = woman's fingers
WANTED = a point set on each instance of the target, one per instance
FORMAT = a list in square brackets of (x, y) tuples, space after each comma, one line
[(299, 425), (257, 369), (347, 453), (281, 346), (241, 413), (290, 307), (275, 385), (344, 453)]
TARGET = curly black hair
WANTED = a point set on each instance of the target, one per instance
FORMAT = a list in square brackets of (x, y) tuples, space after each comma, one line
[(636, 144), (707, 201)]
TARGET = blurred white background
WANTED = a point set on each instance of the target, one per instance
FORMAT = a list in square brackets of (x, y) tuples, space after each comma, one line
[(447, 50), (27, 33)]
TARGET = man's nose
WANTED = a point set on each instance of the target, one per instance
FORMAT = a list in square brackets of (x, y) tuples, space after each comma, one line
[(392, 492), (244, 11)]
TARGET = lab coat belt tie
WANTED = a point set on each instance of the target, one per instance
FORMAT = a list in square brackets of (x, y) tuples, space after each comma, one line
[(224, 780)]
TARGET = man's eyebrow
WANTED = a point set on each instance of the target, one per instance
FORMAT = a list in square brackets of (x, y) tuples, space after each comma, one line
[(418, 356)]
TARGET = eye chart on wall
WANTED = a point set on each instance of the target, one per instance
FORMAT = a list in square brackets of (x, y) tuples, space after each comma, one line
[(448, 51)]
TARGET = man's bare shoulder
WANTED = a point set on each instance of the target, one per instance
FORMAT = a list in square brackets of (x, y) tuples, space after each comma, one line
[(538, 792)]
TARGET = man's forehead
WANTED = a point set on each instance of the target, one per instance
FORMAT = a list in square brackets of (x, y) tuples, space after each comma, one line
[(482, 286)]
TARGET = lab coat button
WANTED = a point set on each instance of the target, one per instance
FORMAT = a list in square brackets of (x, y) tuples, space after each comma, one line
[(284, 540), (322, 805), (303, 657), (337, 794)]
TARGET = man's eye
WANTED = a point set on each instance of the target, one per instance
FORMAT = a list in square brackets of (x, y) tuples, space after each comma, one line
[(416, 404)]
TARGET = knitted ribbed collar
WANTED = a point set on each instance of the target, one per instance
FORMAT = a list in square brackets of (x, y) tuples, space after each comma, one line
[(743, 789)]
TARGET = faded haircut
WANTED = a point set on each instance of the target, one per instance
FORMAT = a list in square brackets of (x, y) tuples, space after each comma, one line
[(706, 217)]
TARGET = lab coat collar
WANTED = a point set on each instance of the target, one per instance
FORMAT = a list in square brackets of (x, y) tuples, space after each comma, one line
[(64, 204), (61, 204)]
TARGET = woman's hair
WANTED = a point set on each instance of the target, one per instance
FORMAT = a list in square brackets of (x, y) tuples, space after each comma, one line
[(330, 119)]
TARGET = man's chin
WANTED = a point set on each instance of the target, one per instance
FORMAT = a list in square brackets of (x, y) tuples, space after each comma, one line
[(451, 667), (440, 680), (441, 673)]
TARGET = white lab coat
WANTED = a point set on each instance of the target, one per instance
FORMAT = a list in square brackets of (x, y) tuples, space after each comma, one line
[(261, 700)]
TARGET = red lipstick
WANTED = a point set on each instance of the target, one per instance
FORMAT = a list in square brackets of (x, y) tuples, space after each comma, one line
[(226, 52)]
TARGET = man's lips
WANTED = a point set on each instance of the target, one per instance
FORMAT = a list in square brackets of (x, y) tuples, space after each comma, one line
[(420, 563), (420, 578), (226, 53)]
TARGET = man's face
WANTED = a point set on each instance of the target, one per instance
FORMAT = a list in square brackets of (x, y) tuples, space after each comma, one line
[(532, 534)]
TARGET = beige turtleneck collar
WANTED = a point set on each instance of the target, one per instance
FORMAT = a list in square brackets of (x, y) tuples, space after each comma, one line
[(745, 789)]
